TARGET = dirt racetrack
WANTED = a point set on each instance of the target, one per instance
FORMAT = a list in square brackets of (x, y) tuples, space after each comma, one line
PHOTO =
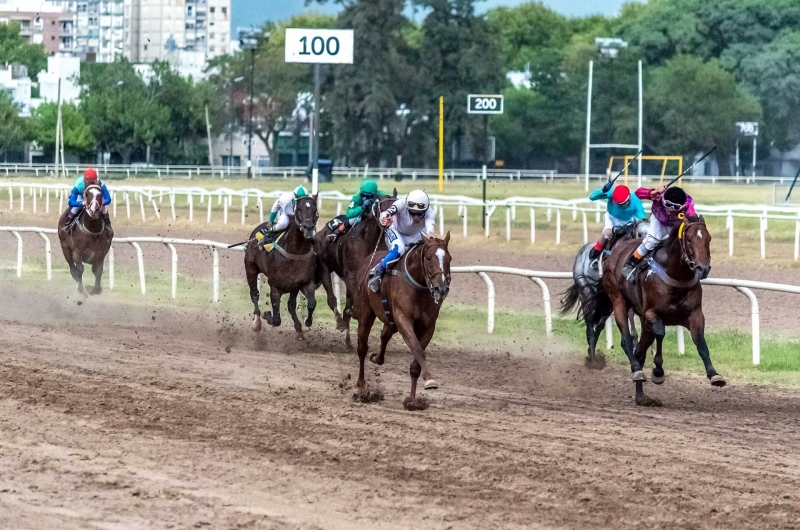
[(185, 420)]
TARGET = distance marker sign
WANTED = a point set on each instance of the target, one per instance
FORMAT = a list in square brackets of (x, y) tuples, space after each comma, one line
[(319, 46), (484, 104)]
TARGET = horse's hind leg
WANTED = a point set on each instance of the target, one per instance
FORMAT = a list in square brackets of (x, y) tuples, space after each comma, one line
[(251, 271), (632, 322), (97, 270), (364, 327), (386, 335), (346, 316), (621, 318), (274, 318), (76, 269), (593, 331), (309, 291), (327, 284), (292, 306), (696, 324)]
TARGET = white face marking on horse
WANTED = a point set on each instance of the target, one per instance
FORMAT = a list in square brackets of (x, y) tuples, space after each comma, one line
[(440, 255), (700, 234)]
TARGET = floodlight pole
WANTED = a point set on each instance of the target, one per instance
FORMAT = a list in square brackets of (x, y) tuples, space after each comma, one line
[(641, 128), (315, 127), (588, 123)]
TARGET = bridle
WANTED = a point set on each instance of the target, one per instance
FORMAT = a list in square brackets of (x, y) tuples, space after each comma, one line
[(682, 240), (86, 203), (296, 209), (427, 277)]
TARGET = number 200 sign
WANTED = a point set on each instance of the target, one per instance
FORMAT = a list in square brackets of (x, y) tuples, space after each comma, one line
[(326, 46), (484, 104)]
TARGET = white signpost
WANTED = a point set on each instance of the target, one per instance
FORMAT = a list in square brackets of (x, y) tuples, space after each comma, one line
[(318, 46), (747, 128), (484, 104)]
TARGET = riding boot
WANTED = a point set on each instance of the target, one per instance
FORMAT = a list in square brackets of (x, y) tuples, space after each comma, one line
[(630, 266), (375, 277), (68, 222), (107, 221)]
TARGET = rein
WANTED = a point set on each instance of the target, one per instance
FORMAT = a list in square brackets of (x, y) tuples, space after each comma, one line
[(681, 229), (427, 277)]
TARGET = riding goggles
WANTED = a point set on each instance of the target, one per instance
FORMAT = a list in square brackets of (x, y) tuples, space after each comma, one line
[(417, 206), (672, 205)]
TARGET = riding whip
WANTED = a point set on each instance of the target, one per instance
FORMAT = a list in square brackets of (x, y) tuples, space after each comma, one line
[(239, 244), (673, 181), (792, 186), (627, 166)]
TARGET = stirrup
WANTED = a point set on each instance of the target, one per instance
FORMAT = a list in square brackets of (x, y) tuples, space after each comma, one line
[(374, 283), (594, 264)]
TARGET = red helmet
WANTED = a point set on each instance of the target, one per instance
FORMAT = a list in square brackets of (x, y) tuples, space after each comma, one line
[(90, 174), (621, 195)]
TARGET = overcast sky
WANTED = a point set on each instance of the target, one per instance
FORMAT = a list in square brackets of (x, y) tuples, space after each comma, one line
[(256, 12)]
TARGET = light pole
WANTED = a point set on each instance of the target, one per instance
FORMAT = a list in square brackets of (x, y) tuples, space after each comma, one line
[(230, 126), (249, 41)]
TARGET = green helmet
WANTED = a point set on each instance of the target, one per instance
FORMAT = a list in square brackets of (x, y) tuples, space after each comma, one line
[(300, 192), (369, 187)]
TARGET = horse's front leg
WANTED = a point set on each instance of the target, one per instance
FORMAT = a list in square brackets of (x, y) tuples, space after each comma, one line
[(419, 365), (697, 326), (76, 269), (274, 318), (621, 318), (386, 335), (251, 271), (327, 284), (309, 291), (97, 270), (292, 306)]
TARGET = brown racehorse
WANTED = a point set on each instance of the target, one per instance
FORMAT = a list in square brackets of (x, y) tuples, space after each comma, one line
[(667, 293), (413, 292), (289, 267), (88, 240), (345, 255)]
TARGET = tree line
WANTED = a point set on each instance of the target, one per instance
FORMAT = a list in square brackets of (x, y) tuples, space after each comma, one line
[(706, 66)]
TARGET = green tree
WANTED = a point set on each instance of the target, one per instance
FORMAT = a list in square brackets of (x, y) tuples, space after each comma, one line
[(78, 136), (15, 49), (693, 105), (13, 129)]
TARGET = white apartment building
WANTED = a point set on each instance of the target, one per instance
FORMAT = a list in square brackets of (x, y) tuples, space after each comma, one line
[(98, 27), (157, 29)]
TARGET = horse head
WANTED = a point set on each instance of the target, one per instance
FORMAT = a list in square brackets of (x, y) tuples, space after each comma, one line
[(695, 242), (436, 266), (93, 200), (382, 203), (306, 216)]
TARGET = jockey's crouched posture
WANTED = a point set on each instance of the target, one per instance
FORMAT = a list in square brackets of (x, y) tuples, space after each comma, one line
[(358, 208), (406, 221), (76, 197), (280, 213), (621, 209), (664, 216)]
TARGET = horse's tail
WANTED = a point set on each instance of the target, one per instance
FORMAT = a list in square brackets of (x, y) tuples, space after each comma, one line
[(571, 298), (588, 295)]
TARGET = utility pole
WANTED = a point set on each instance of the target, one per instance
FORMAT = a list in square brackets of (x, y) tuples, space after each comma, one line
[(250, 119)]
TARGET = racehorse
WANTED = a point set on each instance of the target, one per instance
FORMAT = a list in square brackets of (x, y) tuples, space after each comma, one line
[(667, 293), (289, 267), (88, 240), (344, 256), (585, 284), (409, 301)]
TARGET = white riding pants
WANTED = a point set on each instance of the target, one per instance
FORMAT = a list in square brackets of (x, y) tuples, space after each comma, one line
[(401, 242), (656, 232)]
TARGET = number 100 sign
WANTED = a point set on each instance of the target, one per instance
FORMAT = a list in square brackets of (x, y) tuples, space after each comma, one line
[(326, 46), (484, 104)]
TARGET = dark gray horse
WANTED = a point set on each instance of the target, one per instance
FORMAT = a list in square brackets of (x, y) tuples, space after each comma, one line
[(586, 282)]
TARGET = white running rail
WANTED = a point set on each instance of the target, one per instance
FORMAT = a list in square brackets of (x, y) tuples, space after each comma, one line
[(537, 277)]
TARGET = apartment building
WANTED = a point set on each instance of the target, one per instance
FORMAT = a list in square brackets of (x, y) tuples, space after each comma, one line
[(98, 27), (42, 22)]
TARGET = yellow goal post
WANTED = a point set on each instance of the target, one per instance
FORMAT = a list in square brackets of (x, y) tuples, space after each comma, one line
[(664, 159)]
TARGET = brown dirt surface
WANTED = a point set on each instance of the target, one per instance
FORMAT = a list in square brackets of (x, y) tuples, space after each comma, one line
[(189, 420)]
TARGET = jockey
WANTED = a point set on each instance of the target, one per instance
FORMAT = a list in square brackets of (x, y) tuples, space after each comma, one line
[(621, 209), (668, 205), (281, 211), (76, 197), (406, 221), (359, 206)]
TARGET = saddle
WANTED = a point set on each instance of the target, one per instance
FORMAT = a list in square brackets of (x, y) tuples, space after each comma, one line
[(265, 243)]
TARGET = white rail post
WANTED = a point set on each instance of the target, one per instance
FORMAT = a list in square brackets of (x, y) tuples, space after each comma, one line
[(597, 212), (140, 262), (533, 226), (127, 204), (155, 208), (260, 210), (190, 200), (172, 204), (47, 255), (681, 342), (141, 206), (729, 226), (756, 329), (338, 208), (441, 219), (508, 223), (215, 274), (763, 235), (208, 212), (174, 256), (244, 207), (60, 194), (10, 198), (464, 219), (585, 228), (111, 267), (609, 333), (575, 212), (337, 289), (47, 201), (548, 315), (490, 306), (558, 226), (33, 193), (225, 210), (19, 251)]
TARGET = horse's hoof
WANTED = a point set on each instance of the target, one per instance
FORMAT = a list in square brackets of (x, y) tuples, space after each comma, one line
[(639, 376), (308, 323), (430, 384), (658, 379), (256, 323), (340, 325), (718, 381), (647, 401), (377, 359)]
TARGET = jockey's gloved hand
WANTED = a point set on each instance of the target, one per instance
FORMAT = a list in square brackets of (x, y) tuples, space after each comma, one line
[(367, 203), (607, 186)]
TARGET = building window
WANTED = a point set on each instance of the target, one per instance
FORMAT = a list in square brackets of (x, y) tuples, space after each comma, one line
[(224, 11), (211, 10), (211, 35), (145, 47)]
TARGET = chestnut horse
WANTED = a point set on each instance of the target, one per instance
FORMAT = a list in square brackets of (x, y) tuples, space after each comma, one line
[(88, 240), (409, 301), (665, 293), (289, 267), (344, 255)]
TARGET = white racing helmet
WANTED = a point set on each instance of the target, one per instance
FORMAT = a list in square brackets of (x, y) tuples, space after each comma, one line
[(417, 202)]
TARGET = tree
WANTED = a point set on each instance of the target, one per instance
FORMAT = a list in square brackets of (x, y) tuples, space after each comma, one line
[(15, 49), (78, 137), (693, 105), (13, 129)]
